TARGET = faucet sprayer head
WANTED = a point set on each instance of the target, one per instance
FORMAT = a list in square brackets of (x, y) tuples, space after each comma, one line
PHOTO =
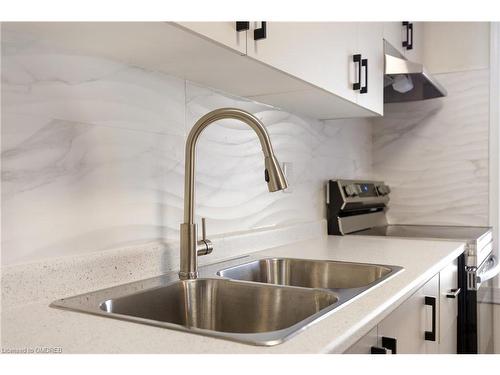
[(274, 175)]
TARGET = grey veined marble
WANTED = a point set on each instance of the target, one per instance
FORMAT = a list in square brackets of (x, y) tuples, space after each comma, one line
[(93, 149)]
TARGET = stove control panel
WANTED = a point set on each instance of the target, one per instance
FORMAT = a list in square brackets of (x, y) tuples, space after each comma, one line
[(352, 190), (357, 191), (365, 189), (354, 205), (383, 190)]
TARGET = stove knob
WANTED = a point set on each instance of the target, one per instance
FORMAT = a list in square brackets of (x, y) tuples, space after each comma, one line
[(351, 190), (383, 190)]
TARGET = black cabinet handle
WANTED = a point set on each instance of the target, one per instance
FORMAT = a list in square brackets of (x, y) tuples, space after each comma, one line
[(378, 350), (390, 343), (410, 27), (408, 43), (431, 336), (357, 60), (260, 33), (364, 64), (242, 25), (405, 42)]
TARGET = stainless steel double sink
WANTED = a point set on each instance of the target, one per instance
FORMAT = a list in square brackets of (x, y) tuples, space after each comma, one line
[(256, 301)]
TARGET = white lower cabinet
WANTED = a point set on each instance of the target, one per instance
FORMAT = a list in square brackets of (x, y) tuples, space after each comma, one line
[(365, 344), (409, 323), (448, 306), (426, 323)]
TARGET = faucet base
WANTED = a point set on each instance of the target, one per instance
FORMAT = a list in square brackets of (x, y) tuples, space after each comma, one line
[(188, 275)]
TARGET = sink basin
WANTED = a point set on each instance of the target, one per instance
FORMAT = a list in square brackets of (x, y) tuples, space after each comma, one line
[(308, 273), (223, 305), (258, 314), (260, 302)]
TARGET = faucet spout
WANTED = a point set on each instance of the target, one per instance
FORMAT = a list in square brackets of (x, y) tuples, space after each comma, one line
[(273, 175)]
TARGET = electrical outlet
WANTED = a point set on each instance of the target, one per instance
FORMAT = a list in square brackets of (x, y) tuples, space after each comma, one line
[(287, 168)]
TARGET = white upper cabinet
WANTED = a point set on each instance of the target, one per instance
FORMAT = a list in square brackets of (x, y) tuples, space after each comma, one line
[(321, 53), (395, 34), (414, 49), (221, 32), (371, 47), (317, 52), (407, 37)]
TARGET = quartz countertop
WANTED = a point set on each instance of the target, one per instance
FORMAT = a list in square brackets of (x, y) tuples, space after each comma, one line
[(36, 325)]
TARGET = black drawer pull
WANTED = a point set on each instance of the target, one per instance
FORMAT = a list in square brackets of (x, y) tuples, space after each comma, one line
[(390, 343), (408, 43), (242, 25), (357, 60), (431, 336), (260, 33), (378, 350), (364, 64)]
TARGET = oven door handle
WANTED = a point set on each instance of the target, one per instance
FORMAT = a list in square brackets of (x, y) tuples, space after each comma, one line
[(490, 273)]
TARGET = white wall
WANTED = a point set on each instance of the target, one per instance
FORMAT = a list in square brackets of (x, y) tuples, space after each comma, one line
[(434, 154), (456, 46), (93, 149), (494, 165), (496, 328)]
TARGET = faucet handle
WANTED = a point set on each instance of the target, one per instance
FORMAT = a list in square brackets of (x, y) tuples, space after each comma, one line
[(204, 246), (203, 229)]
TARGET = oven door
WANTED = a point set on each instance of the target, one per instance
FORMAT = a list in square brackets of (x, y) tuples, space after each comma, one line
[(485, 273)]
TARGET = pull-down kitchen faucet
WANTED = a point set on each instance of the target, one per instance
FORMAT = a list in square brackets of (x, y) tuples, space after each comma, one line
[(190, 246)]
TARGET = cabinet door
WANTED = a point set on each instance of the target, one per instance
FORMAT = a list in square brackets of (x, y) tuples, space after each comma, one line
[(317, 52), (431, 289), (371, 47), (409, 322), (221, 32), (448, 315), (416, 53), (393, 33), (365, 344)]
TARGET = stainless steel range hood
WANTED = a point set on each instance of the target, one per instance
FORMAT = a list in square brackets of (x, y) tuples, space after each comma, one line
[(406, 81)]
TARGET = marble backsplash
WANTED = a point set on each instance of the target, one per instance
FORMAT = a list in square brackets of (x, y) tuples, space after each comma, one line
[(434, 154), (93, 149)]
